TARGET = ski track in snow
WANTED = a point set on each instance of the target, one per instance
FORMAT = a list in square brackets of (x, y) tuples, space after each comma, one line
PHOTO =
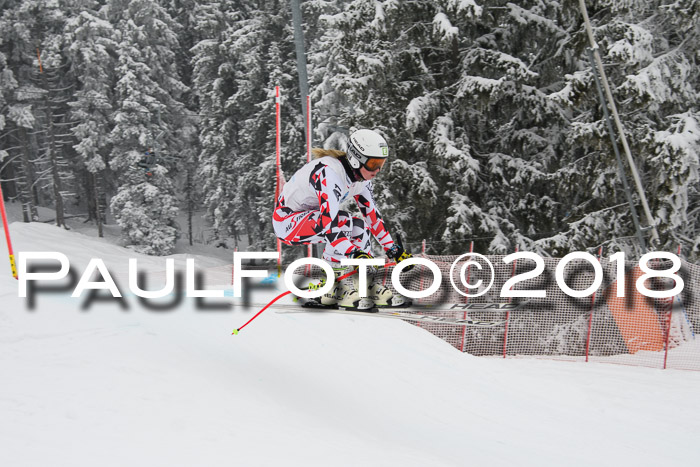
[(110, 387)]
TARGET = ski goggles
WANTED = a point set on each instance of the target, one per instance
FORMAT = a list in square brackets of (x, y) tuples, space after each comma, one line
[(374, 163)]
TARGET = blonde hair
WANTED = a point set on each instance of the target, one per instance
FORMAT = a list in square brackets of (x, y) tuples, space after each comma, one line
[(321, 152)]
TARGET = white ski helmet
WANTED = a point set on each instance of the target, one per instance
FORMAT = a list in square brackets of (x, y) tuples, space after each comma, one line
[(367, 149)]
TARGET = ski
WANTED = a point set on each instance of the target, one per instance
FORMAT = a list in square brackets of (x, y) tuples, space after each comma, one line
[(413, 313), (407, 314), (483, 307), (431, 308), (312, 304)]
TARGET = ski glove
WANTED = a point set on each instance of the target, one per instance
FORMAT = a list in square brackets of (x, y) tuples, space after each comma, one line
[(398, 254)]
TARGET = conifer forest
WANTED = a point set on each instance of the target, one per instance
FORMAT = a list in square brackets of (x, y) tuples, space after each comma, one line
[(135, 112)]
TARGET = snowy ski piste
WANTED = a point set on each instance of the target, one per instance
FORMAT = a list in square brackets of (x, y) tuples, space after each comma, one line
[(110, 386)]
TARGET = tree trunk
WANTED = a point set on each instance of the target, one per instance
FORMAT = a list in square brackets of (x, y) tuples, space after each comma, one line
[(98, 211), (27, 191), (190, 202), (53, 158), (10, 183)]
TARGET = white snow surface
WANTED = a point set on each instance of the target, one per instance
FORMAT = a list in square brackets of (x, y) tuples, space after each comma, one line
[(110, 387)]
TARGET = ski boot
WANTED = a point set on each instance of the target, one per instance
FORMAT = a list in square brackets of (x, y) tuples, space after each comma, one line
[(384, 298), (327, 300), (349, 297)]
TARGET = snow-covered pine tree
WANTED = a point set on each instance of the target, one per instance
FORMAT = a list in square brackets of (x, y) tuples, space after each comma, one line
[(677, 153), (649, 53), (55, 151), (255, 169), (234, 78), (27, 28), (213, 84), (183, 11), (451, 85), (501, 101), (8, 85), (501, 116), (490, 108), (370, 67), (656, 45), (90, 50), (145, 208), (148, 115)]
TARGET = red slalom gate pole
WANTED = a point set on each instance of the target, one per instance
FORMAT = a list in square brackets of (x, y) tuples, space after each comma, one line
[(7, 234), (309, 140), (309, 144), (283, 294)]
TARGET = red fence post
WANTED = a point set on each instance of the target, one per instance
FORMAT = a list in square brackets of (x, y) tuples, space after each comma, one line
[(466, 300), (505, 334), (669, 321), (668, 317), (590, 313)]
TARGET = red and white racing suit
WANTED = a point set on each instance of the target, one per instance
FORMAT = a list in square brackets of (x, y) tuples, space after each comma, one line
[(308, 211)]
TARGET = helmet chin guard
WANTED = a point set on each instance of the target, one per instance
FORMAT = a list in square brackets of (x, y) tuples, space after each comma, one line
[(354, 162)]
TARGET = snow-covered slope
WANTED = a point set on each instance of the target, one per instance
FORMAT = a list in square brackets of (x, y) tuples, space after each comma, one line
[(110, 387)]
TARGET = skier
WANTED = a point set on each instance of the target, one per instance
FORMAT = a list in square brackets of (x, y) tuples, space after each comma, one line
[(308, 211)]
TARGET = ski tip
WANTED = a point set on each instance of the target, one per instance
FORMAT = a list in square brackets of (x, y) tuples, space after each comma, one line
[(235, 332)]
